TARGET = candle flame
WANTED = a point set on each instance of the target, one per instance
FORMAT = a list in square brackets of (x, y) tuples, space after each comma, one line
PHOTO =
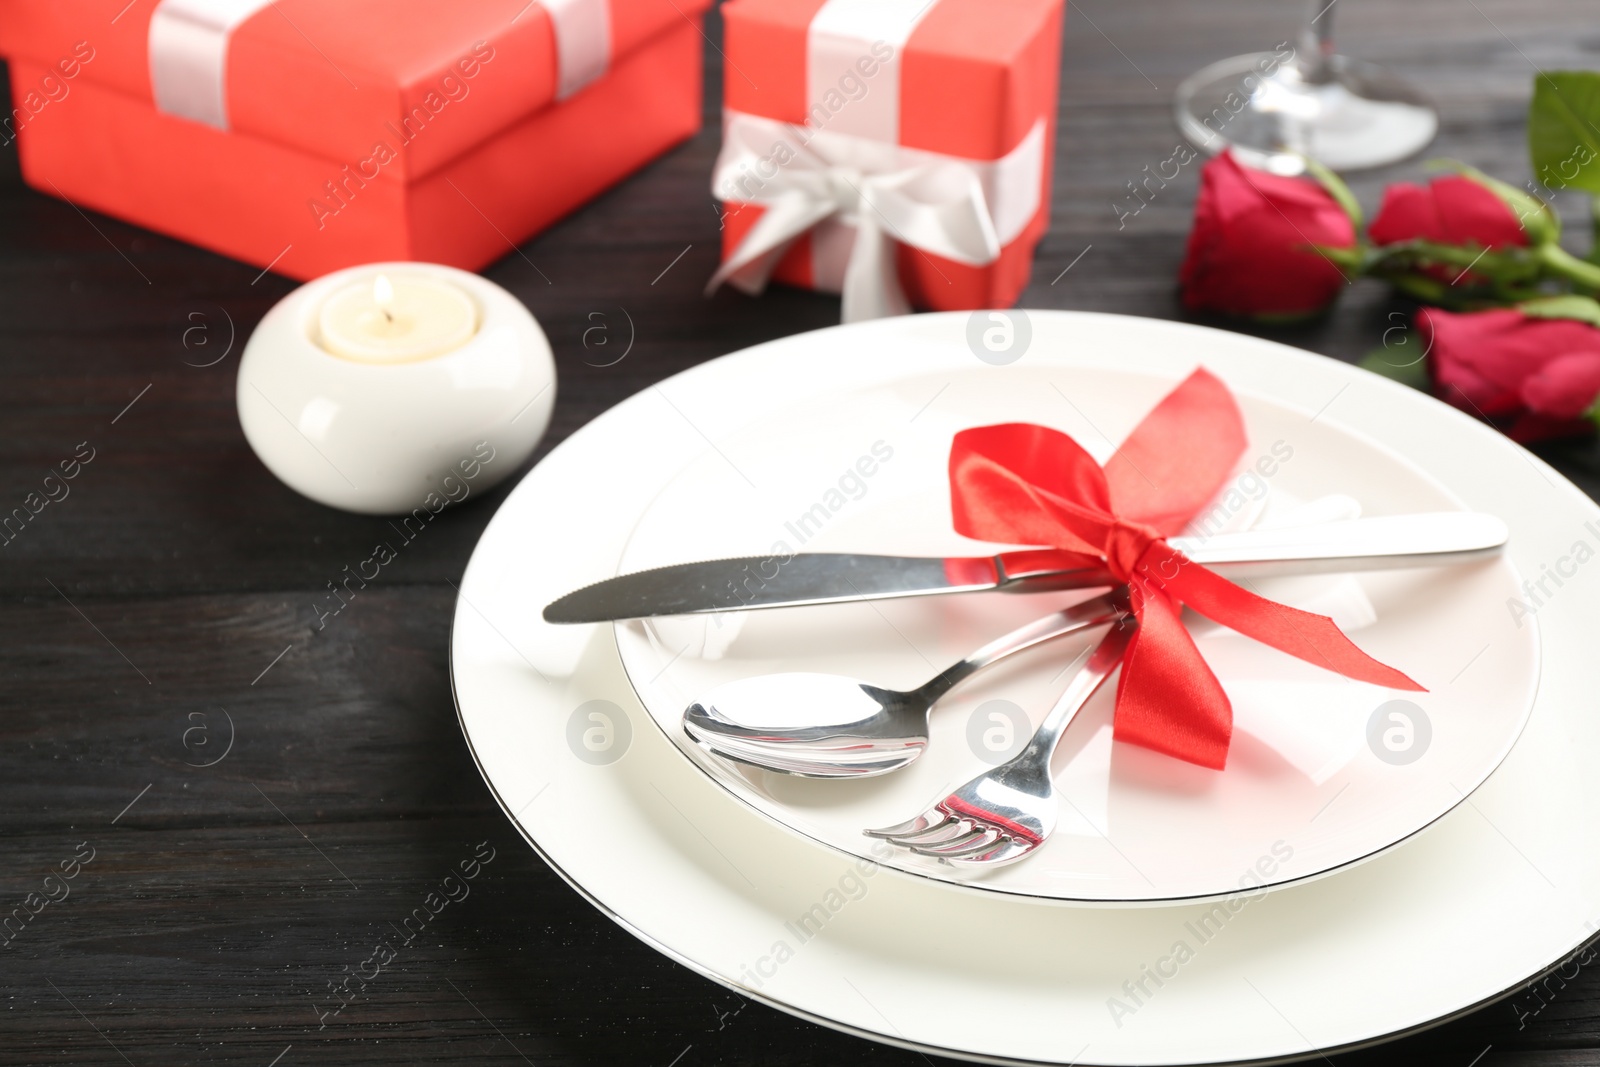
[(382, 291)]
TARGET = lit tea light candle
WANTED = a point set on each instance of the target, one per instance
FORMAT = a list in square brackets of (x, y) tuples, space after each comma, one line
[(396, 320), (396, 388)]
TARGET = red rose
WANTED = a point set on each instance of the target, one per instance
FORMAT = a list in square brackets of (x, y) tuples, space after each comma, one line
[(1451, 211), (1539, 374), (1250, 251)]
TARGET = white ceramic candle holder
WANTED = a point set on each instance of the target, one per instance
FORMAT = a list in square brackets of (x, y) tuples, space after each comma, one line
[(385, 439)]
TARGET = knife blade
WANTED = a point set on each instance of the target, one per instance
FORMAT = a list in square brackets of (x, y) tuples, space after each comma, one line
[(810, 578)]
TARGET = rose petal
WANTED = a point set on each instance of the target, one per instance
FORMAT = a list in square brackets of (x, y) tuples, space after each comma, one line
[(1250, 250), (1452, 210), (1565, 387), (1406, 213), (1472, 215)]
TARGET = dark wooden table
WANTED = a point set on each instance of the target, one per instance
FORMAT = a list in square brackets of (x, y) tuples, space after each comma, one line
[(172, 594)]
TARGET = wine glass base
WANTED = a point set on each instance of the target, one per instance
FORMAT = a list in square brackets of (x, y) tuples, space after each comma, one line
[(1358, 116)]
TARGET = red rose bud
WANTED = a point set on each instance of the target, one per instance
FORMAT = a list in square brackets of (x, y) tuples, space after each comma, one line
[(1541, 375), (1251, 251), (1452, 211)]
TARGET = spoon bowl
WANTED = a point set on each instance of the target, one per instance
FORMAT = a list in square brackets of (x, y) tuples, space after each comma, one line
[(834, 726)]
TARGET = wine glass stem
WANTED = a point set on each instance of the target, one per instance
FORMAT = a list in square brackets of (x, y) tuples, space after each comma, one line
[(1316, 42)]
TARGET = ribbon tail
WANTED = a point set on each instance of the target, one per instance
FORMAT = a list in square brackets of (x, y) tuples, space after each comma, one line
[(871, 283), (785, 218), (1167, 698), (1313, 638)]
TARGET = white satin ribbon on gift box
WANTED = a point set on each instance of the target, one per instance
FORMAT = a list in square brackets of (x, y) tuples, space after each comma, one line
[(189, 56), (583, 42), (189, 41), (964, 210), (840, 35)]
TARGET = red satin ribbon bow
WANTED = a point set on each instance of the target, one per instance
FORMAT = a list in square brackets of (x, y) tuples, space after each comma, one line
[(1022, 484)]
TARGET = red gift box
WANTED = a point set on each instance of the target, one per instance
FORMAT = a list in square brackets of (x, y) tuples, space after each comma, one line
[(309, 136), (897, 151)]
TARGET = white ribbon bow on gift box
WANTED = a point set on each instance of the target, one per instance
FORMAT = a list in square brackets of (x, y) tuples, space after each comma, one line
[(812, 180)]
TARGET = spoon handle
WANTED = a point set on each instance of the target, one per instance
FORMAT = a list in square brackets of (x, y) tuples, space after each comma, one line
[(1079, 617)]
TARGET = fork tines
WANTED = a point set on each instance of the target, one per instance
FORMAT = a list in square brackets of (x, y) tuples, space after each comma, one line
[(948, 835)]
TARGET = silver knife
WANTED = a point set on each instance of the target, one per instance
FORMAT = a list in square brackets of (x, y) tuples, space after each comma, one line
[(714, 586)]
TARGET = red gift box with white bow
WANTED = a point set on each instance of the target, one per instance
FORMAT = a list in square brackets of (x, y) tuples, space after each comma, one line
[(310, 136), (894, 151)]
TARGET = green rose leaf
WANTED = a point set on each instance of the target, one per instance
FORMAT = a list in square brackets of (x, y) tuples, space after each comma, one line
[(1564, 129), (1569, 306)]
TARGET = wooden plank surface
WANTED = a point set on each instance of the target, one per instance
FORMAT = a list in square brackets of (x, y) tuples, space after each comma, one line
[(173, 591)]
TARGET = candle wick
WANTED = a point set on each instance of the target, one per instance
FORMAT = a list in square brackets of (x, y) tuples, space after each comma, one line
[(386, 316)]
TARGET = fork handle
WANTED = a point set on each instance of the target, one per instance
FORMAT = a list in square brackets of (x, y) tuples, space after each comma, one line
[(1079, 617), (1102, 662)]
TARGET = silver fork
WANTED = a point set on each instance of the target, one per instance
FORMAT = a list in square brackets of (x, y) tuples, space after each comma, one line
[(1003, 815)]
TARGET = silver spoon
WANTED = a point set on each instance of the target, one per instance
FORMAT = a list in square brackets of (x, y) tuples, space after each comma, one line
[(888, 729)]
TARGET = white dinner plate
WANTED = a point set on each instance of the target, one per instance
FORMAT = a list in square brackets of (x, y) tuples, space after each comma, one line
[(1492, 894), (1323, 771)]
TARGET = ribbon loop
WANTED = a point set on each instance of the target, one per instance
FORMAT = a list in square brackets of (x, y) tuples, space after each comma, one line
[(1024, 484)]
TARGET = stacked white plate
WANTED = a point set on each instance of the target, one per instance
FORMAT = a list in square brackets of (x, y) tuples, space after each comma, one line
[(1362, 868)]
